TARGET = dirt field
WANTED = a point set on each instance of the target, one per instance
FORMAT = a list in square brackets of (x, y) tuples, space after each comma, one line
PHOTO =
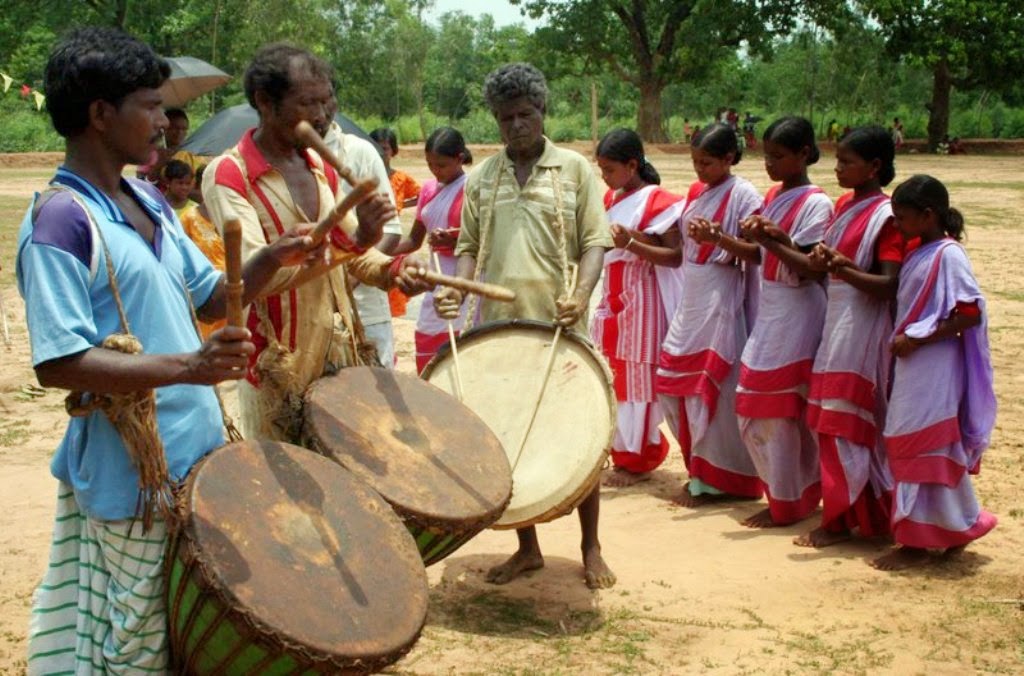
[(697, 592)]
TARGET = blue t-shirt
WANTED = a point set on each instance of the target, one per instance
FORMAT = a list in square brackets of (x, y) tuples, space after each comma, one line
[(69, 308)]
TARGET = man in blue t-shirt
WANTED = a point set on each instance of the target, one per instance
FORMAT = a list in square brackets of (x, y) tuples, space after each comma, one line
[(101, 602)]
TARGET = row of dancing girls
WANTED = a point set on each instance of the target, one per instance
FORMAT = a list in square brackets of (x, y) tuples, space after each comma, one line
[(811, 381)]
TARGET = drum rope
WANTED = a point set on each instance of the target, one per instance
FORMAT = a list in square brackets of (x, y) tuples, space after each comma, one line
[(132, 414), (486, 223)]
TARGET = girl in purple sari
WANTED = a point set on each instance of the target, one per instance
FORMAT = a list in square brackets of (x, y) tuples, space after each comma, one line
[(942, 407)]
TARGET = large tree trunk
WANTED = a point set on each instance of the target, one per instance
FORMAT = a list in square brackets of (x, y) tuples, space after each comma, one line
[(649, 121), (938, 117)]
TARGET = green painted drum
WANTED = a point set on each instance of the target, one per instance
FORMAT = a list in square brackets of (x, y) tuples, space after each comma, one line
[(288, 564), (435, 461)]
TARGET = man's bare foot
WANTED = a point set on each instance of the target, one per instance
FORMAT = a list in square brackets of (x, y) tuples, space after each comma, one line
[(596, 572), (762, 519), (901, 558), (517, 564), (819, 537), (621, 478)]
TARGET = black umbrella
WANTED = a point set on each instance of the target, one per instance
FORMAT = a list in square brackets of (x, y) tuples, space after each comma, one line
[(190, 78), (223, 130)]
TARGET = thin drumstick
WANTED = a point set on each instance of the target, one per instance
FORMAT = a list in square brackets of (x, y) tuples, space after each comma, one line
[(492, 291), (359, 194), (233, 270), (547, 376), (451, 341), (304, 130)]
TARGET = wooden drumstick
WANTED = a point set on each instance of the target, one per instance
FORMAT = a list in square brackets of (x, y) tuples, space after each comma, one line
[(547, 374), (492, 291), (451, 341), (304, 130), (233, 270), (359, 194)]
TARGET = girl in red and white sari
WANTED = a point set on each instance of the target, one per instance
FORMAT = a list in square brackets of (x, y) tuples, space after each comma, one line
[(862, 253), (943, 406), (438, 218), (776, 364), (642, 286), (700, 358)]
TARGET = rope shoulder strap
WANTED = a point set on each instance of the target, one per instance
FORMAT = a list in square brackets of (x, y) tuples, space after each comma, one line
[(487, 223), (132, 414)]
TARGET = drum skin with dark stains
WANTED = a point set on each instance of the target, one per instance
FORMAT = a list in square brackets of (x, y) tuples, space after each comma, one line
[(287, 563), (434, 460)]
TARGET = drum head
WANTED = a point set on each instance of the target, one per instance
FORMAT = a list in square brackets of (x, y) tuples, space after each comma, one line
[(502, 368), (306, 551), (428, 455)]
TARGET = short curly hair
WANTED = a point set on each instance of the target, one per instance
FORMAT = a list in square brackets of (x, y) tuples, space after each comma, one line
[(270, 71), (93, 64), (513, 81)]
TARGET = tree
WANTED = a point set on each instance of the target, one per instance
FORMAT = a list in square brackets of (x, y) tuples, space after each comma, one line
[(653, 43), (969, 44)]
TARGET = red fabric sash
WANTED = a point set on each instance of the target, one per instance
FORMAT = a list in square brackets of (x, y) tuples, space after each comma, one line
[(855, 229), (771, 261)]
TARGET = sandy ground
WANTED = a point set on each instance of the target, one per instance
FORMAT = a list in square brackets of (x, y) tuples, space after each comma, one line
[(697, 592)]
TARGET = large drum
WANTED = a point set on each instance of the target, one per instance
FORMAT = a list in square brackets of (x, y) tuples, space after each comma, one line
[(289, 564), (502, 369), (430, 457)]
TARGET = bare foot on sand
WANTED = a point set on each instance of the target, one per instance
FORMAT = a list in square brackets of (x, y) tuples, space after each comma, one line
[(819, 537), (762, 519), (596, 572), (621, 478), (517, 564), (901, 558), (686, 499)]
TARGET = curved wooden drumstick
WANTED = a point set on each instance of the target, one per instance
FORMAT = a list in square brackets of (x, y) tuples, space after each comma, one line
[(304, 130), (451, 341), (547, 375), (359, 194), (492, 291), (233, 270)]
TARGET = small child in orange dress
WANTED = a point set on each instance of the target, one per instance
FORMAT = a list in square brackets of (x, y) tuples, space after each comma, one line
[(195, 220)]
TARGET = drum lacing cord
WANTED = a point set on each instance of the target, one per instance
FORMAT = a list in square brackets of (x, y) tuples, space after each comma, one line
[(487, 223), (132, 414)]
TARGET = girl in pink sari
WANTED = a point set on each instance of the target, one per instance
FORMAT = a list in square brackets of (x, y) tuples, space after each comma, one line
[(642, 285), (776, 364), (943, 407), (846, 404), (700, 358), (438, 217)]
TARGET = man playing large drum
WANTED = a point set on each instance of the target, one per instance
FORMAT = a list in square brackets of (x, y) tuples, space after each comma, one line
[(100, 256), (528, 213), (271, 184)]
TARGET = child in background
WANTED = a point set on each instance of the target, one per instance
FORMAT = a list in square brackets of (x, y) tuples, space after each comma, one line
[(179, 182), (642, 285), (862, 253), (406, 190), (195, 220), (943, 407), (699, 363), (438, 217), (776, 365)]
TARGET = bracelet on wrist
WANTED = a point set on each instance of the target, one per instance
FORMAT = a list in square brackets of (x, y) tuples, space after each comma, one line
[(629, 243)]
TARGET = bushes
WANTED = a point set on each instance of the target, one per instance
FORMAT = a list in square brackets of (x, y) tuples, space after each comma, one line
[(23, 128)]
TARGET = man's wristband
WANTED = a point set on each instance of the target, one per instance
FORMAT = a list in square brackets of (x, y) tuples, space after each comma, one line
[(395, 269), (342, 241)]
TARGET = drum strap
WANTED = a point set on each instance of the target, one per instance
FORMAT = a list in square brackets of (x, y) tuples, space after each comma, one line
[(487, 224)]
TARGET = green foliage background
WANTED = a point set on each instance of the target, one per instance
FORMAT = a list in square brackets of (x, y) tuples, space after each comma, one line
[(397, 69)]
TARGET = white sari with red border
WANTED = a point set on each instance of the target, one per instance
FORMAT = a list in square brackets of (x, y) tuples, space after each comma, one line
[(776, 364), (699, 363), (631, 320), (943, 406), (847, 399)]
